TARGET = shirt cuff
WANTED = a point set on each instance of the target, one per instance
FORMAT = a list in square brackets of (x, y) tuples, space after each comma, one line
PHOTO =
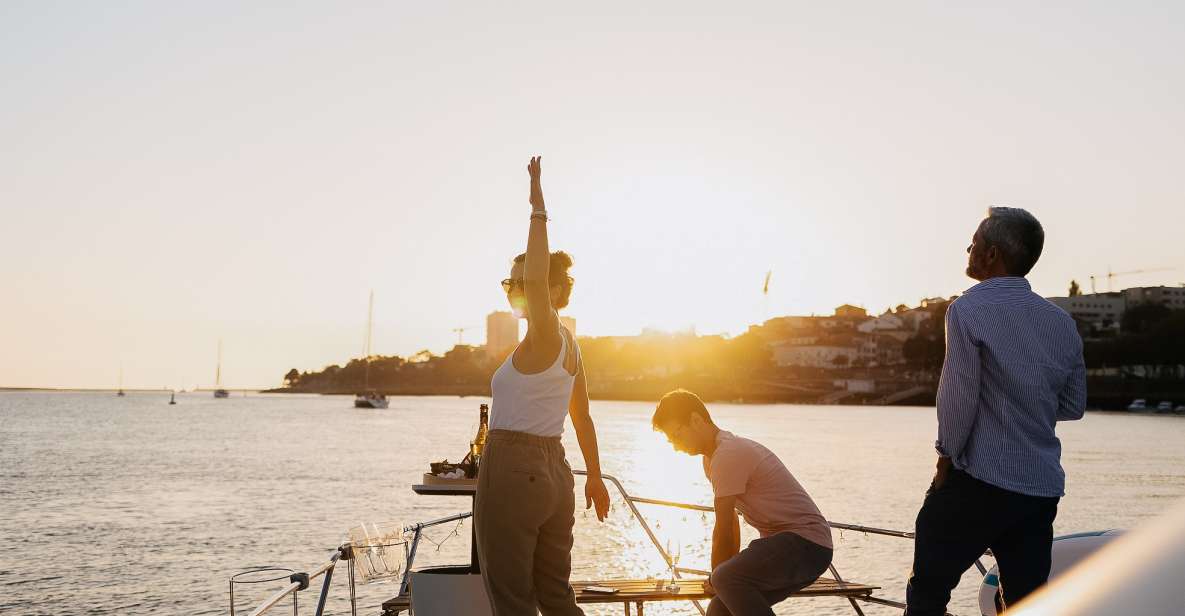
[(941, 452)]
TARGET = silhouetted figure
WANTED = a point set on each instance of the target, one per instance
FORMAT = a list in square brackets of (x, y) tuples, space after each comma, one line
[(795, 547), (1013, 369), (524, 511)]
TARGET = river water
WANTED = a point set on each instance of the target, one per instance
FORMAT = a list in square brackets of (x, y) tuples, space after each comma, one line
[(131, 506)]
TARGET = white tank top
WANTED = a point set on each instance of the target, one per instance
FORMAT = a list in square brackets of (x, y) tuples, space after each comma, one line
[(535, 403)]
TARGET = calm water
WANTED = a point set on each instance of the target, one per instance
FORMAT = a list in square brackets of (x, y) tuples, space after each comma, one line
[(131, 506)]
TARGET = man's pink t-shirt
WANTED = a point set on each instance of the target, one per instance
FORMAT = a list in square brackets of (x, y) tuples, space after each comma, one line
[(769, 497)]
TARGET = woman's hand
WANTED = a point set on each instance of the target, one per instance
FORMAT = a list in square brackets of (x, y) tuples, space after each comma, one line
[(596, 494), (535, 168)]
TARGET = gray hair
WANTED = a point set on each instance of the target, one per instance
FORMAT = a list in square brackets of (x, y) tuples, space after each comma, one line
[(1017, 234)]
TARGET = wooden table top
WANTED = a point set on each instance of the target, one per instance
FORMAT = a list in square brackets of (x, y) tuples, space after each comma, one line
[(444, 490)]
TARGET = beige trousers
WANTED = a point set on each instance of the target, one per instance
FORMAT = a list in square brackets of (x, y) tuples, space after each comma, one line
[(524, 516)]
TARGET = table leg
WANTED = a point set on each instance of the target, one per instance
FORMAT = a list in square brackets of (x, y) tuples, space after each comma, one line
[(475, 564), (640, 608), (627, 607)]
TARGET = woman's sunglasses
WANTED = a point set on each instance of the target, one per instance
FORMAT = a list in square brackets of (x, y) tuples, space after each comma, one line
[(510, 284)]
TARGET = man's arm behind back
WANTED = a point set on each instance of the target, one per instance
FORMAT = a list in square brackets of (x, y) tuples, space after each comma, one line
[(1071, 401)]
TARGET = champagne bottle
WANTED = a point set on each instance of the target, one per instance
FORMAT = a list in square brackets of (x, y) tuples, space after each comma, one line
[(483, 429), (478, 444)]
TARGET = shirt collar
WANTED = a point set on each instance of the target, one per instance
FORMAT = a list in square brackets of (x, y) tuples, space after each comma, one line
[(1002, 282), (721, 436)]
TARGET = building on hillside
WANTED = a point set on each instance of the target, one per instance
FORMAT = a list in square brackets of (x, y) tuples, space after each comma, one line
[(501, 333), (884, 348), (914, 318), (1172, 297), (1101, 313), (828, 353), (885, 322), (848, 311)]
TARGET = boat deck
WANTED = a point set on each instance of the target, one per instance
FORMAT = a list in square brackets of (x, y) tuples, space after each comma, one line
[(640, 592)]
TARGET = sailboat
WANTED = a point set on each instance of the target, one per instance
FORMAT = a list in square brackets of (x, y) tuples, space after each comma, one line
[(219, 392), (369, 398), (120, 392)]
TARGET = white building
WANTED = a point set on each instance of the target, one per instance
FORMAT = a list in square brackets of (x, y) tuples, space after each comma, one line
[(814, 355), (885, 322), (1102, 311), (1173, 297), (501, 333)]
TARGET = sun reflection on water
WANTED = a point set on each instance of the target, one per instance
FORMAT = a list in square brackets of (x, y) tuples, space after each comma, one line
[(622, 549)]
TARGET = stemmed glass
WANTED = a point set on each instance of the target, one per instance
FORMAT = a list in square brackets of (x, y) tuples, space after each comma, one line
[(673, 556)]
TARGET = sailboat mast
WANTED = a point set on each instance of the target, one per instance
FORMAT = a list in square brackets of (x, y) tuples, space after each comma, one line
[(369, 334), (218, 370)]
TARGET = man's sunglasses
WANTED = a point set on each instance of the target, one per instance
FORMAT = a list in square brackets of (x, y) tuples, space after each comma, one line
[(509, 284)]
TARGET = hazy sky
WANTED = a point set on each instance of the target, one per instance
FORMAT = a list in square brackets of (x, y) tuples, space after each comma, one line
[(175, 173)]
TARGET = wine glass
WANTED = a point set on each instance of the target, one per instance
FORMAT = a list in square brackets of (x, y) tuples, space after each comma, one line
[(673, 556)]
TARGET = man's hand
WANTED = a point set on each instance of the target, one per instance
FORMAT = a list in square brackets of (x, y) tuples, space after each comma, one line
[(535, 168), (708, 589), (941, 472), (596, 494)]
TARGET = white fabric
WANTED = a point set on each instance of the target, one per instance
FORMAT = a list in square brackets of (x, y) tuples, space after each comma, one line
[(535, 403)]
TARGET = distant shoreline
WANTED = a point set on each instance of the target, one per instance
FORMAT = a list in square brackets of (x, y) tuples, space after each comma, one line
[(646, 391), (99, 390)]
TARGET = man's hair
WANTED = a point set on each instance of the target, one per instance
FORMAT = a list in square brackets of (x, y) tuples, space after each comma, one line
[(1017, 234), (677, 407)]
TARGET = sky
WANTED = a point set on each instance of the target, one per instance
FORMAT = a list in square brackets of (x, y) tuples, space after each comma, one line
[(175, 174)]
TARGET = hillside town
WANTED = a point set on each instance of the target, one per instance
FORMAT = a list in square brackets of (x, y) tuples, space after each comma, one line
[(1134, 346)]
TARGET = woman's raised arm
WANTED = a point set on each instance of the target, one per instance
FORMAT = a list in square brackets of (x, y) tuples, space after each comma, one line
[(542, 321)]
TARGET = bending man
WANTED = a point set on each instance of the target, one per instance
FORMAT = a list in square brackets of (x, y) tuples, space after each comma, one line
[(795, 544)]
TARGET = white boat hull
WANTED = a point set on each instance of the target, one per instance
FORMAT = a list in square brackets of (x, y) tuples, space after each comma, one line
[(370, 402)]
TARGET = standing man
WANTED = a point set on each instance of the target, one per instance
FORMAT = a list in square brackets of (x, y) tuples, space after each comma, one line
[(795, 544), (1013, 369)]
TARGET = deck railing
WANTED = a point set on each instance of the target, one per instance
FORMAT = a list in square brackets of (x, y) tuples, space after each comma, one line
[(301, 581)]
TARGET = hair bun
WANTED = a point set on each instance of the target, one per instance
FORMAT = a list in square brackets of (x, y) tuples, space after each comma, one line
[(561, 260)]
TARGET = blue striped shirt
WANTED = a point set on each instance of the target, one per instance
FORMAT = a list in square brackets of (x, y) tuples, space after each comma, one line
[(1013, 369)]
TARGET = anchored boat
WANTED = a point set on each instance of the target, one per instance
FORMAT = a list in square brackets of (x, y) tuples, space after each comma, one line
[(369, 399)]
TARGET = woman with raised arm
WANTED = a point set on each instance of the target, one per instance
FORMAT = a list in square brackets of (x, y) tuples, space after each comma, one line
[(525, 504)]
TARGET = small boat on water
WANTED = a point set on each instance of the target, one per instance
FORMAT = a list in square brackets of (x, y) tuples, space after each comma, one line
[(173, 397), (219, 392), (369, 398)]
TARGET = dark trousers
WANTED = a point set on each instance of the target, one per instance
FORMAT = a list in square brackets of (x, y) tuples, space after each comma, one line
[(960, 519), (768, 571)]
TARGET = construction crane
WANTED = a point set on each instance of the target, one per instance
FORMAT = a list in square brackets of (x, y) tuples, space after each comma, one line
[(460, 331), (1113, 275)]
